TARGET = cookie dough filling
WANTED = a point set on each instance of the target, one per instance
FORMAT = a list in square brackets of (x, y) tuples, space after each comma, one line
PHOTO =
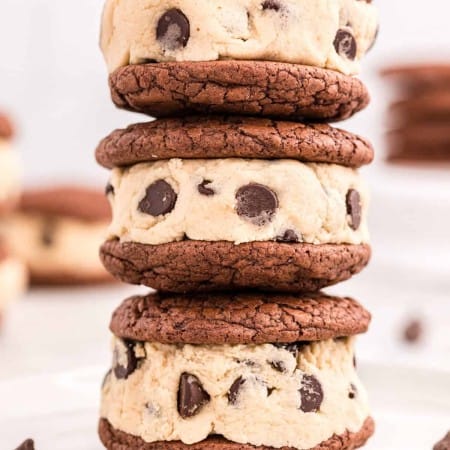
[(10, 173), (238, 200), (278, 395), (333, 34), (52, 246), (13, 280)]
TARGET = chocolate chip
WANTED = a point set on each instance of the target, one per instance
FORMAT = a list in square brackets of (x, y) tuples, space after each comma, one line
[(27, 445), (191, 396), (270, 391), (109, 189), (353, 203), (352, 391), (354, 361), (271, 4), (289, 236), (48, 232), (256, 203), (444, 444), (125, 361), (345, 44), (106, 378), (293, 347), (160, 199), (235, 388), (311, 394), (174, 29), (279, 366), (204, 189), (413, 331)]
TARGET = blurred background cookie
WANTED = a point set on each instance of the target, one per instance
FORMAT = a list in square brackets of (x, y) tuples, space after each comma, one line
[(57, 231)]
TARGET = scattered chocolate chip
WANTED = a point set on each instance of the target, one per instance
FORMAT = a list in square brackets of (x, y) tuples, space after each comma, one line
[(191, 396), (174, 29), (204, 189), (271, 4), (354, 361), (413, 331), (270, 391), (311, 394), (235, 388), (279, 366), (247, 362), (148, 61), (125, 361), (289, 236), (48, 232), (256, 203), (444, 444), (160, 199), (109, 189), (353, 203), (345, 44), (27, 445), (293, 347), (352, 391), (106, 378)]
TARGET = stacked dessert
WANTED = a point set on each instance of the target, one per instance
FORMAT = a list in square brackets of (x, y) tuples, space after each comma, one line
[(13, 277), (238, 204), (420, 114)]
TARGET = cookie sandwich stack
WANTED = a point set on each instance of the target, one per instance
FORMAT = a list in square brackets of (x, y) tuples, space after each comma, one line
[(13, 277), (238, 204), (420, 113)]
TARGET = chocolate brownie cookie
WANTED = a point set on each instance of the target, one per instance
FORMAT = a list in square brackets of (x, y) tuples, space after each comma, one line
[(57, 232), (335, 34), (241, 367), (207, 266), (258, 318), (257, 88), (114, 439), (232, 137)]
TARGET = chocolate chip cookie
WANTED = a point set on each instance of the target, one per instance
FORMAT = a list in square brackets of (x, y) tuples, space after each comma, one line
[(183, 363)]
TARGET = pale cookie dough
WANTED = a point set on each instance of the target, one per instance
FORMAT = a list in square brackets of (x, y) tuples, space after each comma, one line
[(295, 396), (239, 201), (333, 34), (10, 173), (59, 247), (13, 281)]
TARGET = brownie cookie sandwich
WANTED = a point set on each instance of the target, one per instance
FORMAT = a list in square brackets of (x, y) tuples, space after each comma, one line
[(57, 231), (419, 115), (226, 56), (13, 279), (257, 203), (10, 171), (235, 371)]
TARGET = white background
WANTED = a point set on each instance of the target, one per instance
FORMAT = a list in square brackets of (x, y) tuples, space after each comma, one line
[(53, 80)]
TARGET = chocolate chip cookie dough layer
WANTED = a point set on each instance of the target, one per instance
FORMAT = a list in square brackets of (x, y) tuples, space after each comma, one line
[(258, 88), (205, 137), (290, 393), (332, 34), (57, 233)]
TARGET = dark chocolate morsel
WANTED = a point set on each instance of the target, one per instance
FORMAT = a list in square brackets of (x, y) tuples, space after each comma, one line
[(289, 236), (293, 347), (27, 445), (191, 396), (271, 4), (48, 232), (160, 199), (279, 366), (353, 391), (123, 369), (353, 203), (311, 394), (233, 393), (109, 189), (174, 29), (204, 189), (256, 203), (345, 44)]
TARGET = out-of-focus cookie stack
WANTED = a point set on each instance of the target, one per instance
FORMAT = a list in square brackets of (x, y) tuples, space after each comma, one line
[(419, 117), (13, 277), (238, 204)]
